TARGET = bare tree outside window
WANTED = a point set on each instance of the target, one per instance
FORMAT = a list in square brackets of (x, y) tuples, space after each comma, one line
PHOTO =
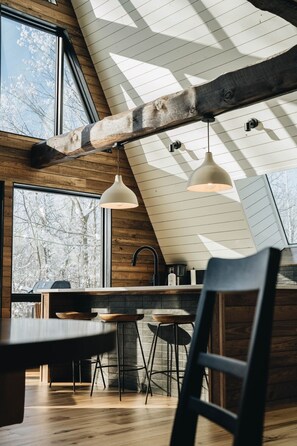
[(28, 83), (283, 187), (55, 237)]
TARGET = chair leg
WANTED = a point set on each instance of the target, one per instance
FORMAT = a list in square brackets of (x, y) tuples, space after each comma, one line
[(118, 362), (123, 357), (142, 354), (73, 376), (98, 365), (176, 351), (101, 371), (154, 345), (50, 376), (169, 368)]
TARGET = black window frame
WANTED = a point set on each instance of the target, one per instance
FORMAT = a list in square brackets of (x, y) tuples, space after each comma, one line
[(65, 48), (285, 235), (1, 236), (105, 258)]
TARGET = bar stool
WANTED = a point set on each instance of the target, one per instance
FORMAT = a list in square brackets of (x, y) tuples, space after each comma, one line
[(121, 320), (82, 316), (168, 329)]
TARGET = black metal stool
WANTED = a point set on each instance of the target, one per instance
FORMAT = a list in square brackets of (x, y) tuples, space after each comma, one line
[(122, 367), (168, 329), (82, 316)]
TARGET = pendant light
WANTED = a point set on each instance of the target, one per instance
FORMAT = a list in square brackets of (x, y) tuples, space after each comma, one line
[(118, 196), (209, 177)]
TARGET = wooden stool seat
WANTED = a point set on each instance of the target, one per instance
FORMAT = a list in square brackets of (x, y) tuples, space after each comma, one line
[(174, 318), (120, 317), (78, 315)]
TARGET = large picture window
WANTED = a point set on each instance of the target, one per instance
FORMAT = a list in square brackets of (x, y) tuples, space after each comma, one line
[(57, 237), (283, 186), (43, 92)]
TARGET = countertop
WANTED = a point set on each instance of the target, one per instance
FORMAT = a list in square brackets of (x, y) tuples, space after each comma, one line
[(160, 289)]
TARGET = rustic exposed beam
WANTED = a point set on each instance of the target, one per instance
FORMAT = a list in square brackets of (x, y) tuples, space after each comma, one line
[(286, 9), (273, 77)]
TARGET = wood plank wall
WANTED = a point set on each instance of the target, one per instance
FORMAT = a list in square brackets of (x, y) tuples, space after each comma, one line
[(235, 316), (92, 174)]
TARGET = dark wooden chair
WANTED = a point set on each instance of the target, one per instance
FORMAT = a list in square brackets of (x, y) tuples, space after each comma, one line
[(256, 273)]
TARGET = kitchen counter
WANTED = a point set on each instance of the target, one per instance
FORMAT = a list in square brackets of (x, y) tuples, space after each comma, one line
[(159, 289), (230, 327)]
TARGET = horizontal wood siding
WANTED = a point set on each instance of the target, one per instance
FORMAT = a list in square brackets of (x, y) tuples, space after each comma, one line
[(92, 174), (146, 49)]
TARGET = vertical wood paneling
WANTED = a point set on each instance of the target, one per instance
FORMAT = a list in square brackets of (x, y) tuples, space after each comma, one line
[(238, 314), (93, 173), (7, 249), (142, 50)]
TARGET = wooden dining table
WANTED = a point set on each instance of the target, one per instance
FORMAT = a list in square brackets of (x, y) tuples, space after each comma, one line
[(27, 343)]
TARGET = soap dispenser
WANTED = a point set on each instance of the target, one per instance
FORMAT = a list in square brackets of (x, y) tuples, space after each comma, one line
[(171, 278)]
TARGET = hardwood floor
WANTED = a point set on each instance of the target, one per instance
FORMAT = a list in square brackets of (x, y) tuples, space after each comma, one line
[(58, 417)]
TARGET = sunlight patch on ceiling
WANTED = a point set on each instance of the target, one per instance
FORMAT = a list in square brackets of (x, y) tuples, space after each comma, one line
[(113, 11), (218, 250), (130, 103), (177, 19), (195, 80), (151, 83), (160, 158)]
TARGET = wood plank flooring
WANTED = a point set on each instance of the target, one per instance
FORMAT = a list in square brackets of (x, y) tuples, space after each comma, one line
[(58, 417)]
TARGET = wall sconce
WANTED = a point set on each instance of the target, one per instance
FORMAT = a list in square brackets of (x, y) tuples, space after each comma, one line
[(118, 196), (209, 177), (174, 146), (251, 124)]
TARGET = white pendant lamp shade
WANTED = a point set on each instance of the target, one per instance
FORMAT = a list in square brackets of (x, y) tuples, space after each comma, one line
[(209, 177), (118, 196)]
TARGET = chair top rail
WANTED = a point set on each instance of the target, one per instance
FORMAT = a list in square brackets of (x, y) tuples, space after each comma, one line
[(223, 364), (226, 419)]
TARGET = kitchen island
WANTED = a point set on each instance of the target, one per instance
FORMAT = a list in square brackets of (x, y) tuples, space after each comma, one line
[(147, 299), (230, 329)]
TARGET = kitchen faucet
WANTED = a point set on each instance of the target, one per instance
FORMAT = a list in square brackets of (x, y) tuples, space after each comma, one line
[(156, 261)]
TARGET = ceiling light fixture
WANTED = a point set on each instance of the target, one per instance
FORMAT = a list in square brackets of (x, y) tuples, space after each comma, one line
[(209, 177), (118, 196)]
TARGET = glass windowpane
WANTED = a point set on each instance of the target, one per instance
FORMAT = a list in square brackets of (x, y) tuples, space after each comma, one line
[(74, 114), (283, 186), (28, 60), (55, 237)]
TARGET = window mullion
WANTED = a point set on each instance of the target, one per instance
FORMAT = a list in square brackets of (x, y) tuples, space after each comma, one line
[(59, 87)]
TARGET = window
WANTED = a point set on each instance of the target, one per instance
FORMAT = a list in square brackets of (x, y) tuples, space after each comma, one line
[(43, 92), (56, 236), (284, 190)]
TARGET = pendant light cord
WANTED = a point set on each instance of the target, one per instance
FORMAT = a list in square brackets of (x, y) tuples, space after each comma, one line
[(208, 137), (118, 161)]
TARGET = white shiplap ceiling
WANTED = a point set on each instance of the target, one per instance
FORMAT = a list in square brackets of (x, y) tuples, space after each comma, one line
[(144, 49)]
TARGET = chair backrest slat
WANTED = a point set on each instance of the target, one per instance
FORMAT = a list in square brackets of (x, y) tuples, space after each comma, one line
[(223, 364), (217, 414), (258, 272)]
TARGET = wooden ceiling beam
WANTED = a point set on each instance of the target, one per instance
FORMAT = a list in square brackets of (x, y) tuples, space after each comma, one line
[(286, 9), (230, 91), (271, 78)]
